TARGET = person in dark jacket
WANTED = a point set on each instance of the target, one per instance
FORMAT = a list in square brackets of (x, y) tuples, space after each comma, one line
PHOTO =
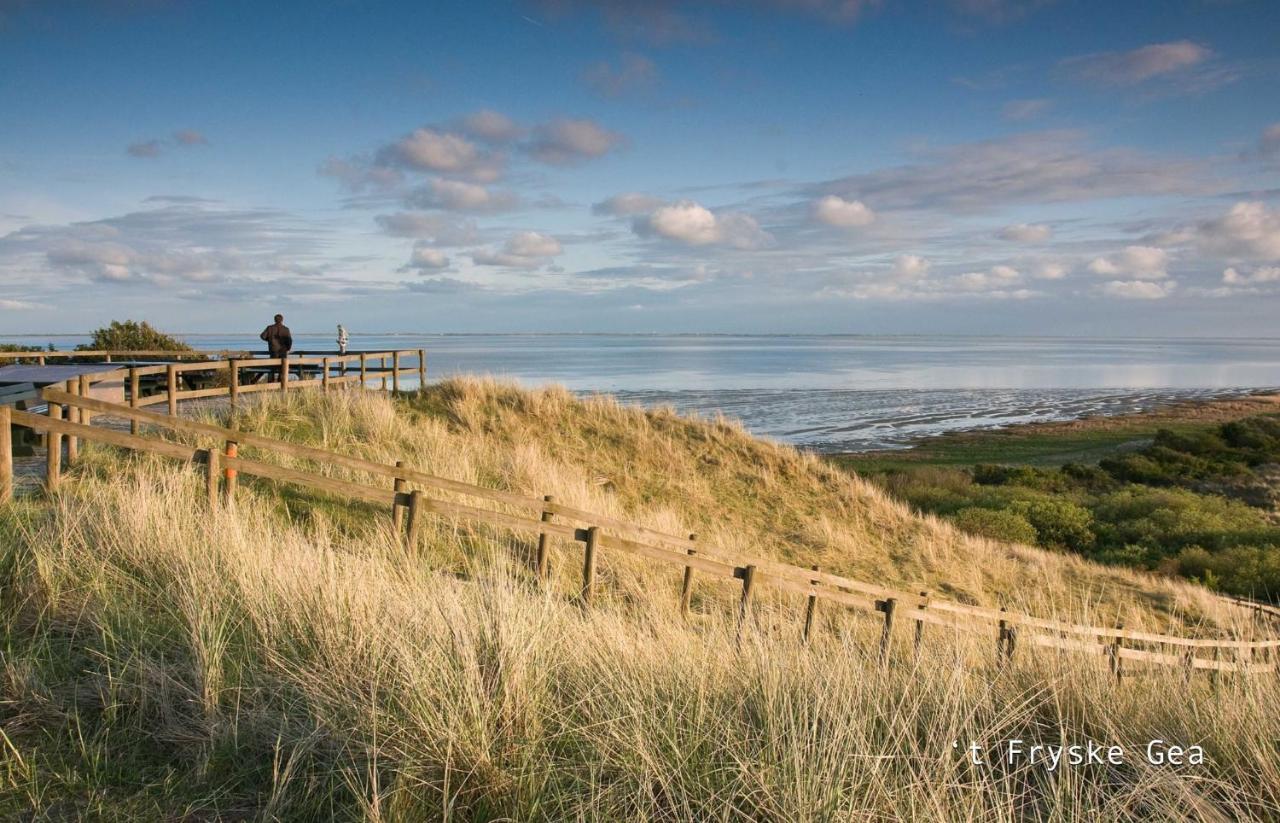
[(279, 341)]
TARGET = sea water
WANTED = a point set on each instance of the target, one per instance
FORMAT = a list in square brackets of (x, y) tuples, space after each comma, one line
[(839, 393)]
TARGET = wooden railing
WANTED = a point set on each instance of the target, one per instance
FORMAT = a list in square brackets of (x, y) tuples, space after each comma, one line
[(599, 533)]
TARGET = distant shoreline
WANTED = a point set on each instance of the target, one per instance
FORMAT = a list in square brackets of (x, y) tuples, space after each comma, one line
[(1083, 439)]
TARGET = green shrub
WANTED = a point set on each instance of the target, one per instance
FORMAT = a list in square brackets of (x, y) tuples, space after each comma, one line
[(995, 524), (1058, 523), (131, 335)]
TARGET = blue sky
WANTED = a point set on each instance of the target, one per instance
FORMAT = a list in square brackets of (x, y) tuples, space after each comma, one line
[(832, 166)]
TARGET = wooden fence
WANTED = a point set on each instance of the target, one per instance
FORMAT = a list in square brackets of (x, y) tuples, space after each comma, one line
[(597, 533)]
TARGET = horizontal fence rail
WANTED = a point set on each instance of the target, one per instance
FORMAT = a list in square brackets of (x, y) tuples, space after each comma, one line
[(599, 532)]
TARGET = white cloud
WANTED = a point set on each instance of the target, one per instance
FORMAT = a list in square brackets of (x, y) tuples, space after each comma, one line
[(491, 126), (1249, 231), (909, 267), (1135, 262), (19, 305), (360, 174), (457, 195), (429, 149), (1048, 270), (627, 204), (440, 229), (634, 73), (1138, 289), (525, 250), (566, 142), (1036, 167), (1263, 274), (1026, 233), (693, 224), (1269, 143), (427, 258), (836, 211), (1128, 68)]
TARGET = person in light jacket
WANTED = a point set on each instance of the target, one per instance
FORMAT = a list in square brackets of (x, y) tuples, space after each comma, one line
[(343, 339)]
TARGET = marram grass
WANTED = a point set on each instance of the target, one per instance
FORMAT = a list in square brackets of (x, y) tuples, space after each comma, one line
[(290, 660)]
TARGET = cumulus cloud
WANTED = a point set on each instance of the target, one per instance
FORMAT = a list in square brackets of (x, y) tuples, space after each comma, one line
[(1036, 167), (633, 73), (1128, 68), (1249, 231), (458, 195), (836, 211), (565, 142), (432, 150), (427, 258), (438, 229), (1134, 262), (1049, 270), (525, 250), (1026, 233), (693, 224), (627, 204), (491, 126), (1263, 274), (1138, 289), (360, 173), (173, 245), (909, 267)]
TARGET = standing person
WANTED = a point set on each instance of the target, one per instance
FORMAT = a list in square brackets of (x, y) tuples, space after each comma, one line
[(343, 339), (279, 342)]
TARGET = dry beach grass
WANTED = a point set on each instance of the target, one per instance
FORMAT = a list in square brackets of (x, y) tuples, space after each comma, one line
[(290, 660)]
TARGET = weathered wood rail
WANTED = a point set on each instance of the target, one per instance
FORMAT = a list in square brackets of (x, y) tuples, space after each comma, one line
[(599, 534)]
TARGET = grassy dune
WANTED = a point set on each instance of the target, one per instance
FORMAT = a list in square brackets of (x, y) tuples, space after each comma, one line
[(290, 660)]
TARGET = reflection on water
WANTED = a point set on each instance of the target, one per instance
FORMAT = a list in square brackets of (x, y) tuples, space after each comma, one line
[(850, 392)]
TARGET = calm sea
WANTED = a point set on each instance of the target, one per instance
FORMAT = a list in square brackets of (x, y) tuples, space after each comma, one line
[(843, 393)]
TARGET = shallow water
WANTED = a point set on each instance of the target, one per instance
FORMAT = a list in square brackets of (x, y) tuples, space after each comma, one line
[(841, 393)]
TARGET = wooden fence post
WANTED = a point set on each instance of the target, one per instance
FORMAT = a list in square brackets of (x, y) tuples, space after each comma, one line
[(72, 415), (6, 455), (395, 371), (422, 370), (686, 585), (53, 464), (213, 460), (1213, 673), (284, 372), (86, 387), (1117, 667), (415, 519), (919, 634), (324, 378), (233, 371), (540, 563), (589, 565), (382, 369), (171, 377), (363, 369), (744, 604), (397, 510), (229, 487), (809, 609), (888, 607), (134, 388), (1189, 662)]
